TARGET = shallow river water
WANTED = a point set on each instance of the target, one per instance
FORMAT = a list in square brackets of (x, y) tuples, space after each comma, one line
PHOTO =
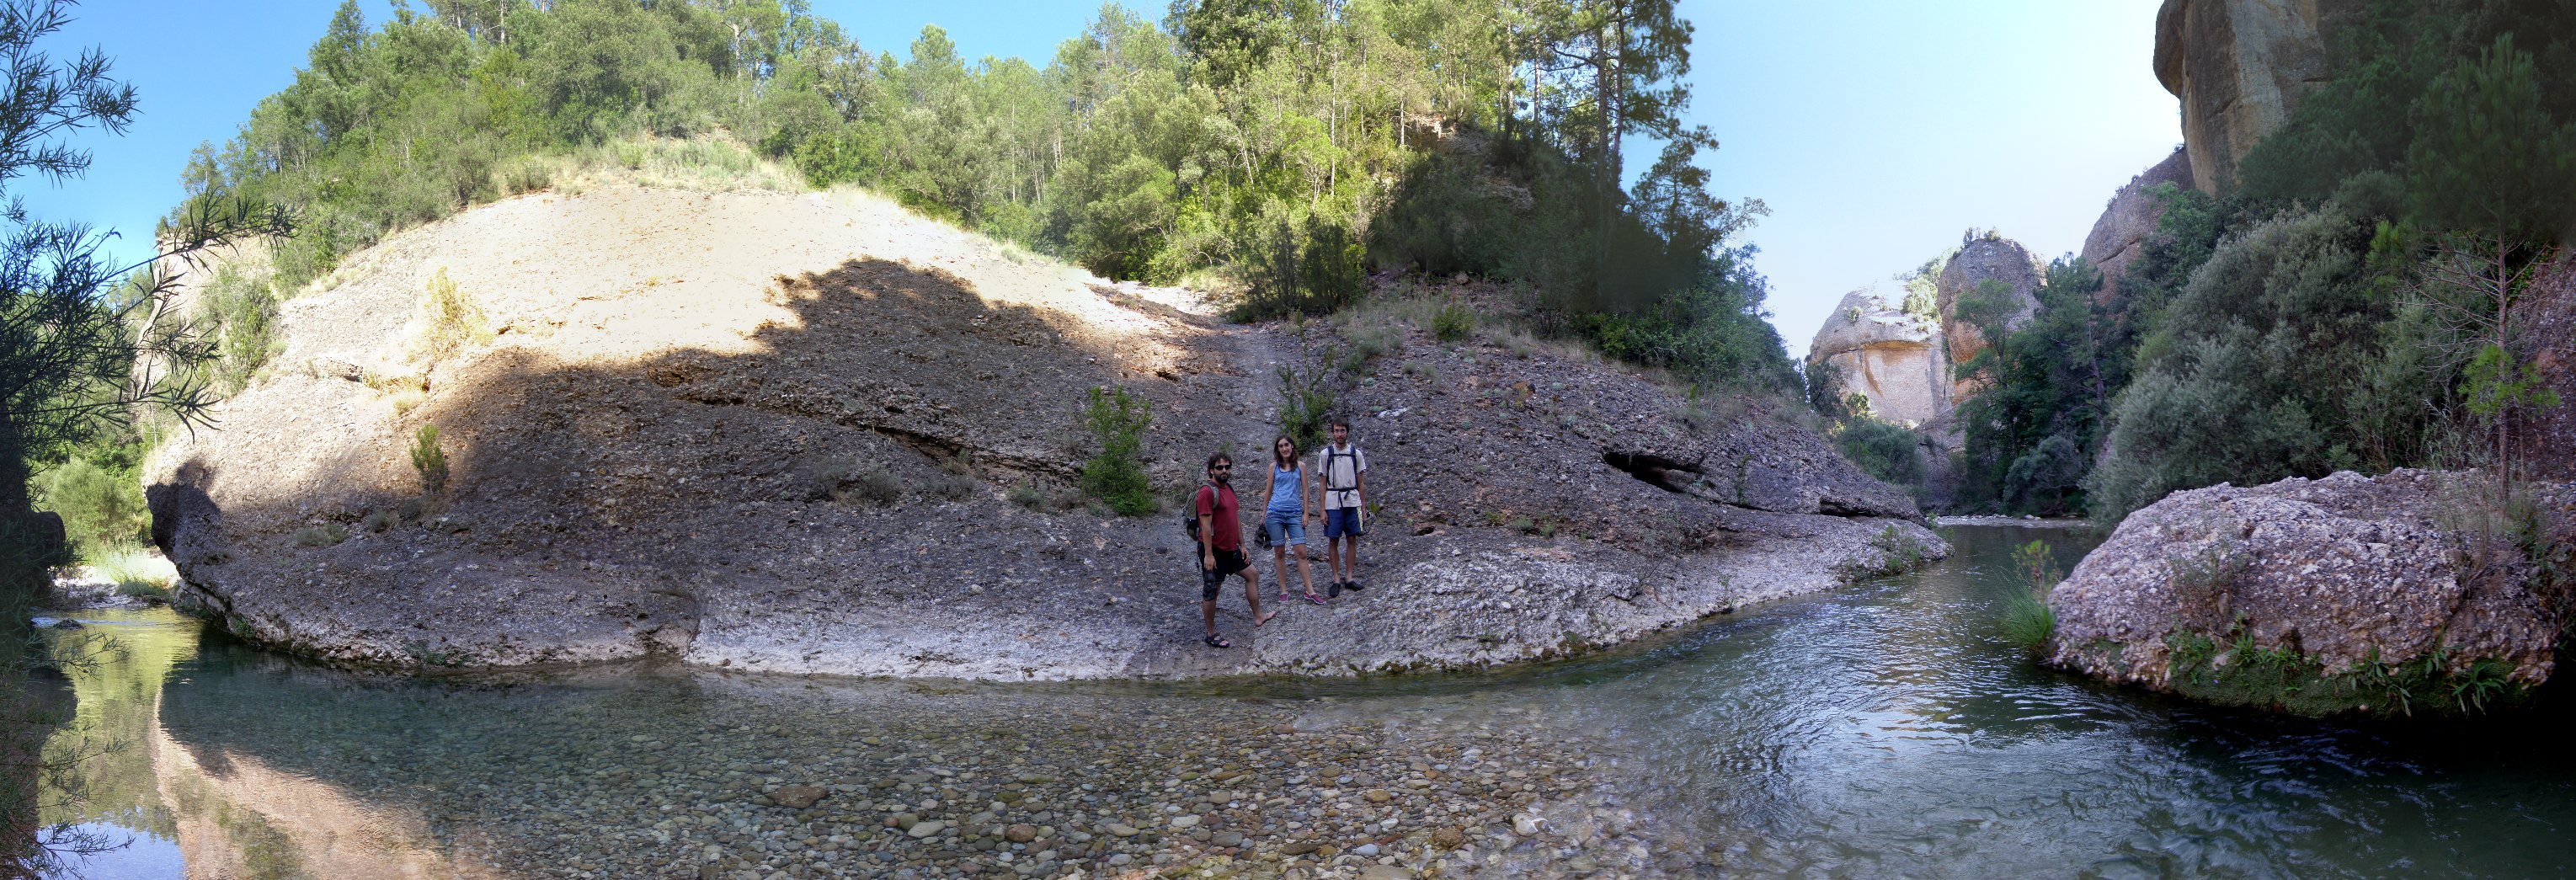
[(1880, 731)]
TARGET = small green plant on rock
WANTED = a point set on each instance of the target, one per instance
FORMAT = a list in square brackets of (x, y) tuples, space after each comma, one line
[(1116, 474), (1903, 551), (1452, 323), (1306, 400), (324, 535), (429, 461)]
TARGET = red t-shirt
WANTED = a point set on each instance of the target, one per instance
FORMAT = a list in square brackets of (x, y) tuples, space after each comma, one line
[(1226, 522)]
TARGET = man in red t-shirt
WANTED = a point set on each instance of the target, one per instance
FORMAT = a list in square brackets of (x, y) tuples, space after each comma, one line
[(1221, 547)]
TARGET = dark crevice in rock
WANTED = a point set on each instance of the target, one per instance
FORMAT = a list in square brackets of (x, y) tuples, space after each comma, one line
[(1663, 473)]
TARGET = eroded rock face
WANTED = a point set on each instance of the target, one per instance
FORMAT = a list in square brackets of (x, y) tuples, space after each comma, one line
[(1892, 357), (2548, 321), (817, 434), (2344, 571), (1980, 260), (2240, 68), (2129, 221)]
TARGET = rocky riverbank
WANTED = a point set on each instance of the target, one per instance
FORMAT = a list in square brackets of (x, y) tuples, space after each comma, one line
[(819, 434), (2343, 594)]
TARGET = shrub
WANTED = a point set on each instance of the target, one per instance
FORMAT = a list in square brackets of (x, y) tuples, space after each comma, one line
[(2029, 622), (382, 519), (451, 319), (323, 535), (135, 571), (1116, 474), (1452, 323), (874, 485), (1885, 450), (2267, 367), (240, 309), (1306, 400), (428, 461), (949, 488), (1027, 495), (101, 508)]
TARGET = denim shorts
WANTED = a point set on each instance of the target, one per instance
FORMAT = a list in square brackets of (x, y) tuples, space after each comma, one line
[(1341, 522), (1286, 529)]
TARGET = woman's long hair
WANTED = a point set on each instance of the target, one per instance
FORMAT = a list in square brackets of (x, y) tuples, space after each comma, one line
[(1289, 461)]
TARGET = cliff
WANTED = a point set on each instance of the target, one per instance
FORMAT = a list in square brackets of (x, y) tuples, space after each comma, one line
[(1888, 355), (2240, 68), (1980, 260), (2129, 221), (820, 434)]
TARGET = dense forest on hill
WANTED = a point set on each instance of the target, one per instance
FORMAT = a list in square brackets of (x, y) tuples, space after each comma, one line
[(1282, 146), (1277, 149), (2355, 302)]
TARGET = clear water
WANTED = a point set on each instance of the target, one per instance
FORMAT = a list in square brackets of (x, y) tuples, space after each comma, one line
[(1879, 731)]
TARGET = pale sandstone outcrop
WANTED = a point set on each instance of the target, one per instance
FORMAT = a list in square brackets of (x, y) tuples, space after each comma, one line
[(2129, 221), (1888, 355), (2343, 571), (682, 436), (2240, 68), (1983, 259)]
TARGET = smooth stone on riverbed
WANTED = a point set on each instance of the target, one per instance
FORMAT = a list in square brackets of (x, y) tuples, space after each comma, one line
[(797, 797), (1021, 833), (1123, 830), (926, 828), (1184, 821)]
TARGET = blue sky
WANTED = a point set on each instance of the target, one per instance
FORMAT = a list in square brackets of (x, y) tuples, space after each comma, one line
[(1877, 130)]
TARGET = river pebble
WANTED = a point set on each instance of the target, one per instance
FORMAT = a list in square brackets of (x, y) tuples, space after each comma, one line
[(916, 784)]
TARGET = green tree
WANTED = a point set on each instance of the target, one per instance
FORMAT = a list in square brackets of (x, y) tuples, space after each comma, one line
[(75, 361)]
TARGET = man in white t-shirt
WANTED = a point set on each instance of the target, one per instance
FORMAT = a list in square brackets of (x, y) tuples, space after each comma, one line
[(1345, 471)]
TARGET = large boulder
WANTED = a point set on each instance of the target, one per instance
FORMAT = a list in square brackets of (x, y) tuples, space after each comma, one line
[(2129, 221), (1889, 355), (1981, 259), (818, 434), (2347, 593), (2240, 68)]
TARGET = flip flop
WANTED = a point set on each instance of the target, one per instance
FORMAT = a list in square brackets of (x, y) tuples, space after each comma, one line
[(1217, 642), (1319, 600)]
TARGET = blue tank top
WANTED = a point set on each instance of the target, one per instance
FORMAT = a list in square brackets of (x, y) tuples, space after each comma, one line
[(1284, 494)]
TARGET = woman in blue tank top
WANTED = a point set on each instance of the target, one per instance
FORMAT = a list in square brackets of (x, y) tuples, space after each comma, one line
[(1284, 516)]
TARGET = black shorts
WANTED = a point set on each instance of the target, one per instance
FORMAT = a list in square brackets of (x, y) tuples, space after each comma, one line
[(1211, 580)]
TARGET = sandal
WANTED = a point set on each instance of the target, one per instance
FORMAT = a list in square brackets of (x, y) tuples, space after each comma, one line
[(1319, 600), (1217, 642)]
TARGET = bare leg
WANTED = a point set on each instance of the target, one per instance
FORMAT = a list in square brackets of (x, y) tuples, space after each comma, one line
[(1351, 562), (1333, 558), (1279, 563), (1252, 594), (1207, 612), (1303, 573)]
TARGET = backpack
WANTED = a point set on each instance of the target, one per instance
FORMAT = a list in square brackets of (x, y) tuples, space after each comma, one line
[(1329, 455), (1190, 512)]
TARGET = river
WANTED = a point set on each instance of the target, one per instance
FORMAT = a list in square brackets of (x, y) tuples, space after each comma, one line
[(1883, 730)]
